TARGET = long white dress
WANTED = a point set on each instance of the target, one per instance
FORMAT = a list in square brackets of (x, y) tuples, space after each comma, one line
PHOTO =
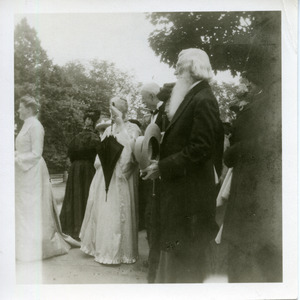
[(37, 229), (109, 229)]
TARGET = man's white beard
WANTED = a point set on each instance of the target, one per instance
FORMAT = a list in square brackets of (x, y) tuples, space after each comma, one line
[(179, 91)]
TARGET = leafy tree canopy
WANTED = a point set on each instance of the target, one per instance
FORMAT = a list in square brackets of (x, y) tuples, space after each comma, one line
[(226, 95), (31, 60), (65, 93), (227, 37), (242, 42)]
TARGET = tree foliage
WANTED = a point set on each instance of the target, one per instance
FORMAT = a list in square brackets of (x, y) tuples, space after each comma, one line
[(65, 93), (248, 43), (31, 60), (227, 37), (226, 95)]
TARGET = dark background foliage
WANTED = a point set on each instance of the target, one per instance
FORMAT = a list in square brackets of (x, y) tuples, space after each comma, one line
[(237, 41), (64, 93), (229, 38)]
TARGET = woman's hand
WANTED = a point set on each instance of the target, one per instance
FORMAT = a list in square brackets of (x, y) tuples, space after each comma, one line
[(116, 116)]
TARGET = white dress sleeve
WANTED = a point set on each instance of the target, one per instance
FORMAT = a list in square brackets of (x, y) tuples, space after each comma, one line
[(26, 160), (127, 138)]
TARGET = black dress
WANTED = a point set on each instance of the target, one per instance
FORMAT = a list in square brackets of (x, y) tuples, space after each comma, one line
[(82, 153)]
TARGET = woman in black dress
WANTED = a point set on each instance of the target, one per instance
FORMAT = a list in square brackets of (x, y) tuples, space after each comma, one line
[(82, 153)]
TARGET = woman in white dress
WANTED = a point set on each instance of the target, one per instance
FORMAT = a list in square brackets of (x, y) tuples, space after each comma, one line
[(38, 234), (109, 230)]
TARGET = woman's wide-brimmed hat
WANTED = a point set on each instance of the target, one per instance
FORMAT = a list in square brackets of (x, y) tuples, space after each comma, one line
[(147, 146), (94, 114), (103, 125)]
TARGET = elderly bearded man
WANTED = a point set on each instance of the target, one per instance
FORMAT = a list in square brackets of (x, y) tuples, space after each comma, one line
[(189, 166)]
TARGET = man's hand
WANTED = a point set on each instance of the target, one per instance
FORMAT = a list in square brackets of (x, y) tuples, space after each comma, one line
[(152, 171)]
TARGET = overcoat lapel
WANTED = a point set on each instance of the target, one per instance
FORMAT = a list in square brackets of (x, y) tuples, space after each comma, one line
[(161, 112), (187, 99)]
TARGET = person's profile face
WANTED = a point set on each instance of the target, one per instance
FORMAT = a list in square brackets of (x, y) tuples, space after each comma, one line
[(182, 70), (148, 100), (24, 112), (88, 121), (179, 68), (176, 72)]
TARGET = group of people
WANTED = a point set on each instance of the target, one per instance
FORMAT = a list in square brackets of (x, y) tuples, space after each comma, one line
[(100, 210)]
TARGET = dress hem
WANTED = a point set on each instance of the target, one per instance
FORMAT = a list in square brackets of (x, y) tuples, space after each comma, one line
[(106, 261)]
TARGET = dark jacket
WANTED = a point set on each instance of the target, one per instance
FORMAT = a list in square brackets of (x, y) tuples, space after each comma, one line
[(162, 120), (253, 222), (83, 146), (191, 147)]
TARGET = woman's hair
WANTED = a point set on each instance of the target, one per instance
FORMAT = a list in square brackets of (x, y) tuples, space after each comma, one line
[(94, 115), (121, 104), (31, 102), (196, 61)]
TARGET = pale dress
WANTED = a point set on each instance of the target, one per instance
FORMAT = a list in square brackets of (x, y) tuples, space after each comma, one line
[(38, 234), (109, 231)]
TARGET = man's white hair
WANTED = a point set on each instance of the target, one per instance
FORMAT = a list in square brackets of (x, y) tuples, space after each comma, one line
[(196, 61), (151, 88)]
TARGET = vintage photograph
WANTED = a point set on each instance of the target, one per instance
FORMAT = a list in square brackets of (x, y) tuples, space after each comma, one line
[(148, 147)]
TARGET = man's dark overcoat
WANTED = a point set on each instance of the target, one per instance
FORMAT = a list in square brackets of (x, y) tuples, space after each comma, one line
[(253, 220), (152, 208), (191, 147)]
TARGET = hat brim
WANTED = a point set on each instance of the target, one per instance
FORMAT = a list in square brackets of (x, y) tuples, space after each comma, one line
[(104, 125), (138, 148), (147, 147)]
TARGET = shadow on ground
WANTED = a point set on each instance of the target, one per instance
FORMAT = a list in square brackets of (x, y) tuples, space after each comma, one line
[(79, 268)]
